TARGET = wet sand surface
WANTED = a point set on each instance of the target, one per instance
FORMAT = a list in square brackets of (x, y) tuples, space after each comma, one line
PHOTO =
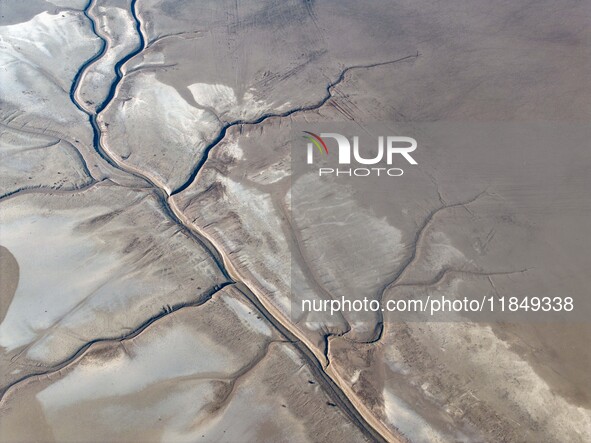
[(156, 232), (557, 353), (216, 371), (9, 276)]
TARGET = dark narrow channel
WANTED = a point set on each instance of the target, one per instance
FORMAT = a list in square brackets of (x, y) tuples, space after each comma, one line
[(330, 387)]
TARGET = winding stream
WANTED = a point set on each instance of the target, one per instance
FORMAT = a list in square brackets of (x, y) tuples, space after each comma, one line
[(330, 386)]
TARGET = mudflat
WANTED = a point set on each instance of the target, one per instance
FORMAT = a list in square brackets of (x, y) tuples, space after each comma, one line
[(9, 276), (160, 227)]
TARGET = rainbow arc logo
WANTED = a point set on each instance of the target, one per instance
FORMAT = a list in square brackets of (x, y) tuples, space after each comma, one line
[(317, 141)]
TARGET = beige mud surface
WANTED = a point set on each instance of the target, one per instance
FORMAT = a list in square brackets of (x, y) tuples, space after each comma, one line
[(9, 277), (146, 167)]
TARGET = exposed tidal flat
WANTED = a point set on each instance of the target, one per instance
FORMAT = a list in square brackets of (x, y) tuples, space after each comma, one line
[(156, 232)]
